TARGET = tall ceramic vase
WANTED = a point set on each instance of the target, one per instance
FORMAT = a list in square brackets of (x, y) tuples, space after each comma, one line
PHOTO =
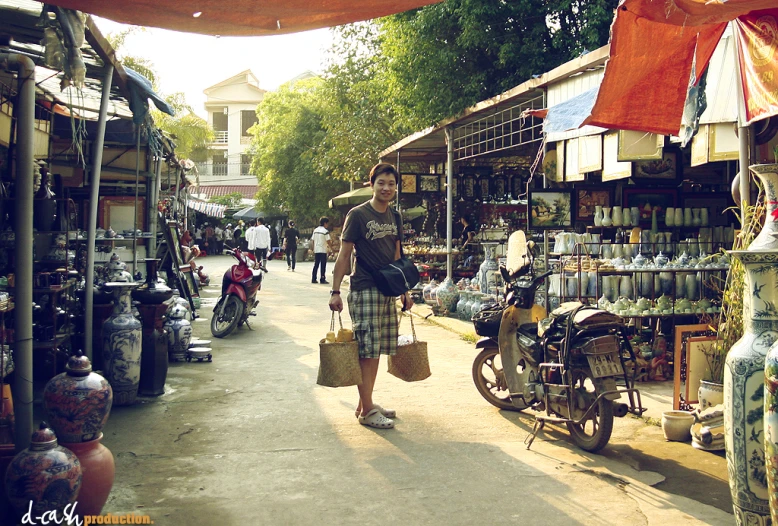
[(122, 345), (745, 367), (488, 268), (768, 173), (597, 215), (448, 295)]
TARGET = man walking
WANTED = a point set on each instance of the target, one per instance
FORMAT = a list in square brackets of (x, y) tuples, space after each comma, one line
[(262, 241), (372, 230), (321, 243), (290, 245)]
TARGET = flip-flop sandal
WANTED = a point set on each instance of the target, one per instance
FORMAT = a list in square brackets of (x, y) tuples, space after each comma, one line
[(375, 419), (388, 413)]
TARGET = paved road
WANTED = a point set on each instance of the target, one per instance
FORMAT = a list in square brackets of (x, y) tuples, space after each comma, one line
[(251, 439)]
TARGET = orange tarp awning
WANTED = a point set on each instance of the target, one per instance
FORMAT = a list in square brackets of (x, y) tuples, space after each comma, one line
[(241, 17), (652, 49)]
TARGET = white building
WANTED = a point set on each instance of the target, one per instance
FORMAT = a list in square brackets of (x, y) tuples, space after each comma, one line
[(231, 105)]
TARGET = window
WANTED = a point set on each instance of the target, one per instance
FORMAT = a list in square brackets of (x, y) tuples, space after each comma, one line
[(245, 164), (248, 118)]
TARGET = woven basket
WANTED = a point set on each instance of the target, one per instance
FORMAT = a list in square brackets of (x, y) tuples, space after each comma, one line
[(338, 362), (411, 363)]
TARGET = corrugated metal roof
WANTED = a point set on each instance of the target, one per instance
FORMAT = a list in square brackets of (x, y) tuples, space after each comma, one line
[(247, 191)]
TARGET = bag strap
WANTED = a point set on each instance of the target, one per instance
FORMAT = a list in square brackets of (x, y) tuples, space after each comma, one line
[(413, 329)]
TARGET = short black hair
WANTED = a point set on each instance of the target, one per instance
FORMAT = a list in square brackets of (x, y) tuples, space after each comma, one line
[(324, 220), (260, 221), (384, 168), (466, 218)]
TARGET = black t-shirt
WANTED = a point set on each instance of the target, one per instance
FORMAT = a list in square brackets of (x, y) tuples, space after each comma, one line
[(465, 231), (291, 235), (375, 237)]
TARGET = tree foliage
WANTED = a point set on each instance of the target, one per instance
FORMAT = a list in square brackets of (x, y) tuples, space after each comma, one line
[(232, 200), (285, 142)]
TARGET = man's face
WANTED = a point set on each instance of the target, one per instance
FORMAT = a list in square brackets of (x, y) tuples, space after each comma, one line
[(384, 188)]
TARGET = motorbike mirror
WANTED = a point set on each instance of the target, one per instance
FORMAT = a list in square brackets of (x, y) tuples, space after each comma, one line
[(516, 257)]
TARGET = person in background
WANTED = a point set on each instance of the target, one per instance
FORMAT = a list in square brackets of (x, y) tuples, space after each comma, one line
[(250, 240), (321, 245), (468, 232), (218, 236), (210, 241), (290, 245), (229, 236), (198, 235), (274, 246), (238, 235), (189, 251), (261, 241)]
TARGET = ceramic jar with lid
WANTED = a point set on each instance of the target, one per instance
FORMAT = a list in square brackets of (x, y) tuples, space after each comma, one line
[(179, 332), (78, 401), (45, 477)]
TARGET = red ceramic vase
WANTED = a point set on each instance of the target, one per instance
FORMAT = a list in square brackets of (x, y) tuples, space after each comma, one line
[(45, 477), (97, 475), (78, 401)]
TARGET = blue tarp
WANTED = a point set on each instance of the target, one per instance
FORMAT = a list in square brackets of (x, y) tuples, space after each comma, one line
[(570, 114), (140, 93)]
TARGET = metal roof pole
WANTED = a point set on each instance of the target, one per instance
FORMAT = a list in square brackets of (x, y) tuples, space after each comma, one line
[(24, 111), (153, 207), (94, 196), (744, 149), (449, 200), (135, 206)]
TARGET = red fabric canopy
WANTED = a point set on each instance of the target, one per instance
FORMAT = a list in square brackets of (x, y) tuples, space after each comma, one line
[(241, 17), (653, 44)]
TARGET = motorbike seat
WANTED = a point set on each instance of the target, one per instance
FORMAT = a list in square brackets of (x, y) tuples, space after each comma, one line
[(530, 330)]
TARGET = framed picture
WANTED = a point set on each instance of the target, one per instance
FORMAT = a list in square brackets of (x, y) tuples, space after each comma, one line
[(429, 183), (518, 186), (408, 184), (121, 213), (667, 168), (650, 199), (501, 188), (551, 209), (696, 365), (681, 362), (586, 199), (468, 186), (484, 189)]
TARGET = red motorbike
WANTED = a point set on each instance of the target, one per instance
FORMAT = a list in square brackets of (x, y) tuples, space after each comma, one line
[(240, 285)]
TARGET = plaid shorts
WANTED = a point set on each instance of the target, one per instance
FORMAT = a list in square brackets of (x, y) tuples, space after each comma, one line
[(375, 322)]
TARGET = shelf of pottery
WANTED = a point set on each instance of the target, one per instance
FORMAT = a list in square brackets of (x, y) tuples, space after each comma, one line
[(431, 252)]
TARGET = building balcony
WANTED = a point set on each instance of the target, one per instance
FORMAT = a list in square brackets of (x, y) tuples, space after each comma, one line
[(224, 169), (221, 137)]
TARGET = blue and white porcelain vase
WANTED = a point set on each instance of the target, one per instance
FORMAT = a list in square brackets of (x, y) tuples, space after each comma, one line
[(179, 332), (122, 345), (448, 295), (745, 367), (487, 279)]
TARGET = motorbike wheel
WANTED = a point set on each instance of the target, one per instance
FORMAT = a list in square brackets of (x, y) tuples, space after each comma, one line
[(489, 379), (594, 433), (222, 325)]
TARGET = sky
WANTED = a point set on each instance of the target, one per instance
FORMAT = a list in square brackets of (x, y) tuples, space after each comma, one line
[(190, 63)]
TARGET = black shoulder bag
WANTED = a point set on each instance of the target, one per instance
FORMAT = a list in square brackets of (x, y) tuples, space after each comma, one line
[(397, 277)]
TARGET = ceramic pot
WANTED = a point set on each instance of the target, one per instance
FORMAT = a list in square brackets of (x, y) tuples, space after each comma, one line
[(744, 376), (592, 290), (46, 474), (572, 287), (78, 401), (696, 219), (122, 345), (426, 291), (635, 213), (97, 475), (448, 295), (677, 425), (771, 428), (617, 217), (461, 304), (710, 394), (487, 269), (692, 291), (678, 218), (654, 222), (179, 332), (598, 215), (704, 218), (152, 292), (610, 287), (625, 287), (606, 217), (669, 219), (626, 217), (687, 217)]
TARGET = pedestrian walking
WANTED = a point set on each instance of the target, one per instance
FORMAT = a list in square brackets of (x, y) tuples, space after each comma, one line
[(218, 235), (249, 240), (229, 236), (290, 245), (210, 241), (320, 240), (371, 230), (261, 241)]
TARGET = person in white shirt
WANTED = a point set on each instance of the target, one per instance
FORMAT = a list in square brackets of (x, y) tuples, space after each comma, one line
[(218, 235), (321, 244), (261, 241), (251, 244)]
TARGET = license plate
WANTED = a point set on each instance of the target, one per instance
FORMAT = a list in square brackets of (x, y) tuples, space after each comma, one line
[(605, 365)]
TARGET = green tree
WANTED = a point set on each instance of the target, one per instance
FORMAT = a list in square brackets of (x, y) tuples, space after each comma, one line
[(232, 200), (285, 142), (442, 58)]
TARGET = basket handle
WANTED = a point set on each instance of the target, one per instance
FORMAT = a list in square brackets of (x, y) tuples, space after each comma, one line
[(413, 329), (332, 321)]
